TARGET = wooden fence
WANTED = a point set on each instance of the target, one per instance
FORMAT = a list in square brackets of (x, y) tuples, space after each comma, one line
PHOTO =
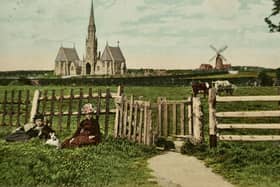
[(56, 104), (143, 121), (215, 126), (15, 106)]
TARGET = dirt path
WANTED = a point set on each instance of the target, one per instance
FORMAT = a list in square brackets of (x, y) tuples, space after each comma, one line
[(176, 170)]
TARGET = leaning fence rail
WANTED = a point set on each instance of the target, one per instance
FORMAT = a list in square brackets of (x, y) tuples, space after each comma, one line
[(215, 126)]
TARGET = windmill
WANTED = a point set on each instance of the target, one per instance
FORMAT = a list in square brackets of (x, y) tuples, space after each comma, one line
[(219, 58)]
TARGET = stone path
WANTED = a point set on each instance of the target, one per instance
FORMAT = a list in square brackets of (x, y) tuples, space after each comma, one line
[(176, 170)]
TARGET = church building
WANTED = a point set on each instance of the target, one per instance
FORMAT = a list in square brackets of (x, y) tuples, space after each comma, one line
[(111, 62)]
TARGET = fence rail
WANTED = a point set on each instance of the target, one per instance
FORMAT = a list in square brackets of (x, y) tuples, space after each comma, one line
[(215, 126), (56, 105)]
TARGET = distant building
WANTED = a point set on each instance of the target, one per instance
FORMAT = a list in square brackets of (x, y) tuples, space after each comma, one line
[(205, 67), (111, 62)]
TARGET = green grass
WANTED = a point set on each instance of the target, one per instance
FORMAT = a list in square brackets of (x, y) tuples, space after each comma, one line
[(111, 163), (244, 164)]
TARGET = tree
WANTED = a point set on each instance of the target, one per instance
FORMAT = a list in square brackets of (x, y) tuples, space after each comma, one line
[(276, 10), (278, 73), (264, 79)]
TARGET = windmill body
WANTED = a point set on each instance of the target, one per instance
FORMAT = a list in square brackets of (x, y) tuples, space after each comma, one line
[(220, 58)]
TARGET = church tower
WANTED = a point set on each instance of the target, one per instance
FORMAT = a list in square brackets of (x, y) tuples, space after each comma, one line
[(91, 46)]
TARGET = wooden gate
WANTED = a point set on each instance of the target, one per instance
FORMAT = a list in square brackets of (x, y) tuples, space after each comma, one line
[(134, 120), (216, 128), (143, 121)]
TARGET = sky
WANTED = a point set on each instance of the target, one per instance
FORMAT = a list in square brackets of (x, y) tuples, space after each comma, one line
[(161, 34)]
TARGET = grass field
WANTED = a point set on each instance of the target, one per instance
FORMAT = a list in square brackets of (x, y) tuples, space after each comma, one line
[(244, 164)]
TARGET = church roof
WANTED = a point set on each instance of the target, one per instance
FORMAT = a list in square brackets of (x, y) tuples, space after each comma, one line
[(112, 53), (67, 54)]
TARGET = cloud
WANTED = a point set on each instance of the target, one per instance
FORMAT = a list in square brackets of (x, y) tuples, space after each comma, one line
[(222, 8)]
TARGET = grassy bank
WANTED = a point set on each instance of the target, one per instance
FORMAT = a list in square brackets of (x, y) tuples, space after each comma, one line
[(111, 163)]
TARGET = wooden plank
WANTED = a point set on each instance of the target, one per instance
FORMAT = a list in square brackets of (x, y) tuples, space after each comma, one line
[(60, 112), (159, 129), (174, 120), (247, 98), (117, 116), (19, 101), (145, 123), (212, 118), (182, 118), (27, 102), (90, 96), (165, 118), (98, 104), (140, 124), (190, 118), (249, 137), (107, 108), (44, 103), (272, 113), (52, 107), (70, 108), (131, 104), (4, 107), (135, 121), (177, 101), (124, 125), (249, 126), (35, 102), (149, 126), (11, 112), (80, 106), (121, 117), (103, 112)]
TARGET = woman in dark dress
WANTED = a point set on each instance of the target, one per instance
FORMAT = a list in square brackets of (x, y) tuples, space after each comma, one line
[(87, 133)]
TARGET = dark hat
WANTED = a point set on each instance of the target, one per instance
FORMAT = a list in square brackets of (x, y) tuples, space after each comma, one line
[(38, 116)]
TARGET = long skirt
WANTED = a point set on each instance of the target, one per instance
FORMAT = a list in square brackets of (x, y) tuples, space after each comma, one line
[(80, 140)]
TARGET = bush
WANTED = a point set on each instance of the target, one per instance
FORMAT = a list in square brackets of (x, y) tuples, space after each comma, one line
[(264, 79)]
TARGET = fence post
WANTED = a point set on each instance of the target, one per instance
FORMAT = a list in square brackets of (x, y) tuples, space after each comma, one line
[(70, 108), (118, 102), (165, 117), (190, 114), (18, 107), (60, 112), (27, 102), (182, 118), (212, 118), (174, 120), (159, 125), (149, 124), (4, 107), (124, 121), (80, 106), (135, 122), (53, 99), (11, 113), (107, 110), (197, 124), (130, 116), (34, 107)]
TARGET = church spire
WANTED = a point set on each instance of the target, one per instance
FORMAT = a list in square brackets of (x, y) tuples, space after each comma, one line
[(91, 19)]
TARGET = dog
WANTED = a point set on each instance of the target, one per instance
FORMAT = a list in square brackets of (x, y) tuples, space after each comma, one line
[(44, 132), (54, 141)]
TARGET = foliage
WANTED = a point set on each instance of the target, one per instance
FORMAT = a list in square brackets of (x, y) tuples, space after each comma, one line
[(111, 163), (264, 79), (275, 11), (278, 73)]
